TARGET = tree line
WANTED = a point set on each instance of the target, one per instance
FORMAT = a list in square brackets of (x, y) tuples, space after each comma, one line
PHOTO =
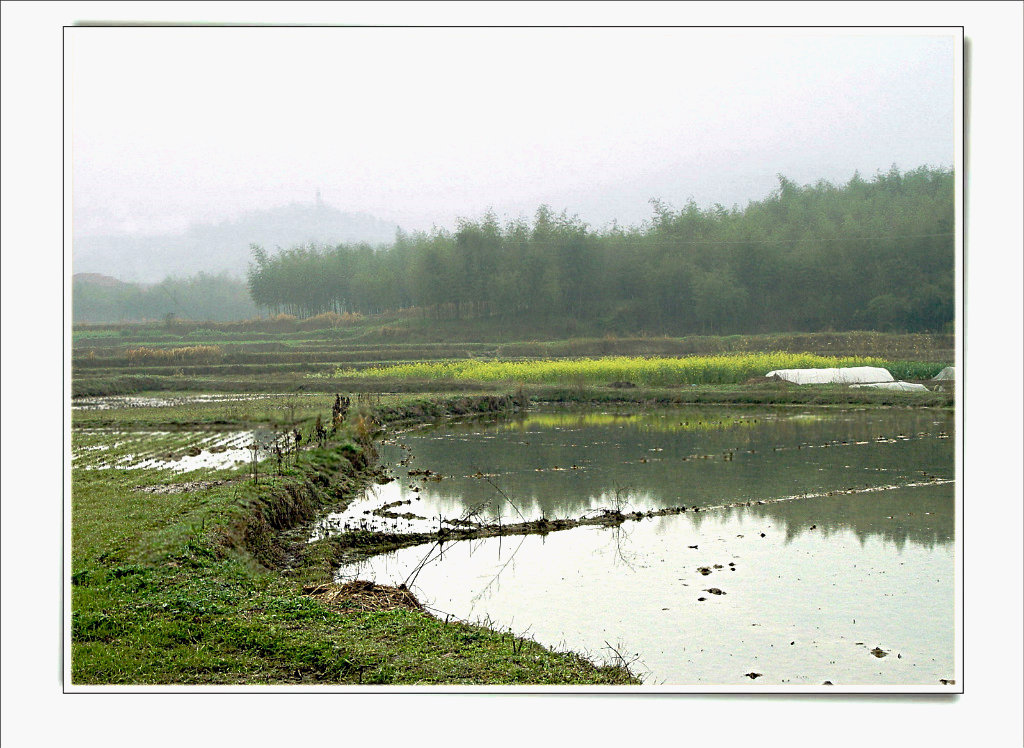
[(868, 254), (200, 297)]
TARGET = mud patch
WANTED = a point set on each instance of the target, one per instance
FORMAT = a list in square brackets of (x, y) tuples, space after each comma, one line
[(185, 487)]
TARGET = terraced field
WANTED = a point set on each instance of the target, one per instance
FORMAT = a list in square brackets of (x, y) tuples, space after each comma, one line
[(125, 359)]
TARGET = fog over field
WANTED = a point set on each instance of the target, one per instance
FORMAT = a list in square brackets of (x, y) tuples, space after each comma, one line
[(223, 247), (177, 158)]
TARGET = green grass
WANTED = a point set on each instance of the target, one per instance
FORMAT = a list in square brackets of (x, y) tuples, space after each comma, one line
[(186, 588), (222, 623)]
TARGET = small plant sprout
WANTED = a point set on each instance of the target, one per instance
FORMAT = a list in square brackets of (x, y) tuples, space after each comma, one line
[(254, 450), (339, 412), (320, 431), (279, 452), (619, 659)]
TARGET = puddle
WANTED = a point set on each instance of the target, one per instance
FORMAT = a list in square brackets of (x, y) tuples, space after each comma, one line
[(186, 487)]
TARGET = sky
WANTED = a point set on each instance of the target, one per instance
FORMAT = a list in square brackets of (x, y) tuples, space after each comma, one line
[(171, 126)]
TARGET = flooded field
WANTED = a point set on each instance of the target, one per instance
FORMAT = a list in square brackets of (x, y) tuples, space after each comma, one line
[(114, 402), (566, 464), (816, 546), (179, 451)]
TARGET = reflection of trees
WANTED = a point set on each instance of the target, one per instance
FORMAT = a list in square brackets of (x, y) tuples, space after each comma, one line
[(783, 454), (922, 515), (657, 422), (620, 546), (494, 584)]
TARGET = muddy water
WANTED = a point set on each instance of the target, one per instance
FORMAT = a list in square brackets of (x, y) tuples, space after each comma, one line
[(845, 574), (800, 606)]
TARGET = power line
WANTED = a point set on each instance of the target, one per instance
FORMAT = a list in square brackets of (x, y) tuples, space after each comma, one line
[(825, 239), (172, 297)]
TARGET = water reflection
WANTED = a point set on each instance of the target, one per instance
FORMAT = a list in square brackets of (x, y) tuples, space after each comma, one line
[(795, 591), (923, 515), (816, 546), (567, 464)]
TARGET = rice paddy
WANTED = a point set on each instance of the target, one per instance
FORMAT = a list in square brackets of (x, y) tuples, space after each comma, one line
[(167, 509), (178, 451)]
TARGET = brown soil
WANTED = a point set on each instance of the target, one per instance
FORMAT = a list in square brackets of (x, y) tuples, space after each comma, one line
[(774, 379), (355, 546)]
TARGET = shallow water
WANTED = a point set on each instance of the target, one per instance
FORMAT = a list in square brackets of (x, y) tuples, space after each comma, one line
[(566, 464), (801, 606), (856, 556)]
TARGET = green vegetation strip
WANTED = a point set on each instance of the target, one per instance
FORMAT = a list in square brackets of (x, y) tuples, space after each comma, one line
[(653, 372), (277, 362)]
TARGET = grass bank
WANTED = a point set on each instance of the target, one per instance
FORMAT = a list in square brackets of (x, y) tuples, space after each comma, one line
[(200, 582)]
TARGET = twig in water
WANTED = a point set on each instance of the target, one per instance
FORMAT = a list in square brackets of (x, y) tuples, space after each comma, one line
[(620, 553), (411, 579), (503, 494), (481, 593)]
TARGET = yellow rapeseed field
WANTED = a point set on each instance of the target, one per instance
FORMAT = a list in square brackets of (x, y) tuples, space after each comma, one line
[(655, 371)]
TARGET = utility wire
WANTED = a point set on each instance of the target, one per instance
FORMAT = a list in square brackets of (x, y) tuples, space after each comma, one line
[(173, 298), (825, 239)]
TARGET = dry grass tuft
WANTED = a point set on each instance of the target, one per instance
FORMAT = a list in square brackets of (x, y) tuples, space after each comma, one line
[(194, 354), (363, 595)]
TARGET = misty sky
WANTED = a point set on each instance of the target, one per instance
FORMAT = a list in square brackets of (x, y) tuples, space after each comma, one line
[(421, 126)]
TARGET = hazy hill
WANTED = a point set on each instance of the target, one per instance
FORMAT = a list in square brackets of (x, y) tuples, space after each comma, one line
[(100, 298), (224, 247), (97, 279)]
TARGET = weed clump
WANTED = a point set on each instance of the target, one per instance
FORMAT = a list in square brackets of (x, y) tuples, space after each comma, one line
[(193, 354)]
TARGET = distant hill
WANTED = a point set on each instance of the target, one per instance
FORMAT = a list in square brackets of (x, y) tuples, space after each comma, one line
[(224, 247), (100, 298), (97, 279)]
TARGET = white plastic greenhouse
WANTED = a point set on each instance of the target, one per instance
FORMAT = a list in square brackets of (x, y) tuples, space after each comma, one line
[(902, 386), (849, 375)]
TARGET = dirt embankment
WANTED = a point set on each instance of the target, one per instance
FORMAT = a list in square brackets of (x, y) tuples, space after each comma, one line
[(327, 478), (273, 526)]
